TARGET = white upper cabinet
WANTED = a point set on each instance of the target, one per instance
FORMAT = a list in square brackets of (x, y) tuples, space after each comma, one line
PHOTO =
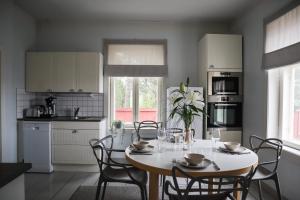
[(221, 52), (89, 72), (64, 72), (39, 74)]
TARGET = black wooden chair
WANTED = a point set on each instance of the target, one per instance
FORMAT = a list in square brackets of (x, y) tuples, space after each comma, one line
[(113, 171), (272, 147), (207, 188), (146, 130)]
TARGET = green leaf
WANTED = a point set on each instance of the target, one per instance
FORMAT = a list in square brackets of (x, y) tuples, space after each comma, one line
[(177, 100)]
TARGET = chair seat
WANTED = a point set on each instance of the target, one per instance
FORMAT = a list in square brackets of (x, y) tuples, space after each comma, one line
[(120, 175), (261, 173)]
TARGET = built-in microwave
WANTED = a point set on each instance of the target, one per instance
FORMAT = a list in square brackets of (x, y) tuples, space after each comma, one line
[(224, 112), (224, 83)]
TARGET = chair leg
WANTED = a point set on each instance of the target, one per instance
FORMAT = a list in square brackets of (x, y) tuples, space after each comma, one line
[(98, 188), (259, 190), (103, 191), (277, 186), (163, 187), (143, 193)]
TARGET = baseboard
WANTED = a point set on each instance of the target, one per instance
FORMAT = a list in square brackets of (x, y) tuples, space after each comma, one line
[(76, 168)]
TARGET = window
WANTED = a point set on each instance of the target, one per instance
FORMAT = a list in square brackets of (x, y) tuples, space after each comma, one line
[(136, 69), (282, 60), (288, 86), (135, 99)]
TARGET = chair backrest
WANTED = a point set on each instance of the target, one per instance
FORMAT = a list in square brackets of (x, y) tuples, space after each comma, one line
[(268, 146), (207, 188), (101, 149), (143, 127)]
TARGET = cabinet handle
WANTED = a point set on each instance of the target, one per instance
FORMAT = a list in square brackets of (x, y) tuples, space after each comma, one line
[(74, 131), (72, 90), (80, 90), (211, 66)]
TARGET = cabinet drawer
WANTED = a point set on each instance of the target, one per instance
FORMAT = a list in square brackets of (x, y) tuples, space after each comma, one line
[(78, 137), (72, 154), (76, 125)]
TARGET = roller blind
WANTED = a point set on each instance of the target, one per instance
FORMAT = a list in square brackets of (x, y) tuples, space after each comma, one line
[(282, 39), (138, 58)]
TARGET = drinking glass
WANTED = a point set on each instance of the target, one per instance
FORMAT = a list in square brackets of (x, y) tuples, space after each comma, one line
[(161, 136), (215, 137)]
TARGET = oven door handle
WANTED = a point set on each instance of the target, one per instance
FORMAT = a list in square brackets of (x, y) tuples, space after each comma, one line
[(226, 104)]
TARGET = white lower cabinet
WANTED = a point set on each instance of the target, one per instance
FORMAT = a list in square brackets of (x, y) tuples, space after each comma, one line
[(70, 142)]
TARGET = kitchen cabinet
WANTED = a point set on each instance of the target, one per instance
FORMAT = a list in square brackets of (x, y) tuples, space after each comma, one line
[(70, 142), (89, 73), (64, 72), (221, 52), (39, 72)]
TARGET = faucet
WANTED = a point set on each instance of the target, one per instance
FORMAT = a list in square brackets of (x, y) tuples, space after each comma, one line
[(76, 111)]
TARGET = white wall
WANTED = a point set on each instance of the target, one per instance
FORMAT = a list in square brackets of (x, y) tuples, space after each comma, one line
[(255, 90), (17, 34), (88, 36)]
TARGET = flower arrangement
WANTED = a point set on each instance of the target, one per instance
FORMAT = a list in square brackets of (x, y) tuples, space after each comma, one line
[(186, 105)]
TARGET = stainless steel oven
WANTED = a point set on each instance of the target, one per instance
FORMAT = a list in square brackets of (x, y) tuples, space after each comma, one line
[(224, 112), (225, 83)]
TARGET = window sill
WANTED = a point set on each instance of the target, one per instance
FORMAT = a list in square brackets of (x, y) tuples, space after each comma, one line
[(291, 150)]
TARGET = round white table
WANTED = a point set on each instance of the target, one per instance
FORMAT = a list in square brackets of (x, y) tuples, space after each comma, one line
[(161, 162)]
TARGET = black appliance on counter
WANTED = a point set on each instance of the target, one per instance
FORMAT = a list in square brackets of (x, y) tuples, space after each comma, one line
[(50, 107)]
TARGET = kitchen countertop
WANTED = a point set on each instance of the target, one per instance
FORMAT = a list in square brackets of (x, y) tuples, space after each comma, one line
[(63, 118), (10, 171)]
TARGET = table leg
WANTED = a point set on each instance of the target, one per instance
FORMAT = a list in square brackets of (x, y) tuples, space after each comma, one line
[(237, 194), (153, 186)]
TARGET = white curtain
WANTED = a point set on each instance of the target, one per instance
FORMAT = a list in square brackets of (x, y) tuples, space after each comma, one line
[(283, 31), (282, 40), (135, 54), (136, 60)]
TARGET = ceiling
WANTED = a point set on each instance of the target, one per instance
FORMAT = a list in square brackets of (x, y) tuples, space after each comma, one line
[(154, 10)]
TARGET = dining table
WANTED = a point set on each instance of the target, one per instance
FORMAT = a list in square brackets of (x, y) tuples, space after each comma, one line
[(165, 155)]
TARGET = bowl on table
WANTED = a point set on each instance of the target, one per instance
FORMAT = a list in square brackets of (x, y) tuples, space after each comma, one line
[(232, 146), (140, 145), (193, 158)]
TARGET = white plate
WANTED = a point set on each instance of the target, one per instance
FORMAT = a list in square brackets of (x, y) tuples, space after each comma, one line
[(205, 163), (146, 150), (238, 150)]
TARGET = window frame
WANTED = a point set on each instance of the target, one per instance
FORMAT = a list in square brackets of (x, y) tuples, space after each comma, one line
[(135, 97)]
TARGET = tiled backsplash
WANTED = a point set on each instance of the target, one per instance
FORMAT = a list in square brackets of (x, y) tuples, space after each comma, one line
[(90, 104)]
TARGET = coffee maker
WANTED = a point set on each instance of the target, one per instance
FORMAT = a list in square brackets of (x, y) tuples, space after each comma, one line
[(50, 106)]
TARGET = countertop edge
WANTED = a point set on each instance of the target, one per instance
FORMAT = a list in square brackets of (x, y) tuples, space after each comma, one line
[(65, 119)]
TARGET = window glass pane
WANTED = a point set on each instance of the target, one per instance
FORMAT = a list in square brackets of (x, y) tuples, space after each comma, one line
[(148, 98), (296, 106), (122, 103), (136, 54)]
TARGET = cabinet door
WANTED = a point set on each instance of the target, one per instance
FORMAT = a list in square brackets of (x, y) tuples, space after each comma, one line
[(39, 72), (88, 72), (64, 72), (224, 51)]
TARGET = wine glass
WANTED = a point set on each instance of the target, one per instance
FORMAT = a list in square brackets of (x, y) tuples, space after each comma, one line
[(161, 136), (215, 136)]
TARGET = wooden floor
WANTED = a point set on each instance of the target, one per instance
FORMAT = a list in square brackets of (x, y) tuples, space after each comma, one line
[(61, 185)]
